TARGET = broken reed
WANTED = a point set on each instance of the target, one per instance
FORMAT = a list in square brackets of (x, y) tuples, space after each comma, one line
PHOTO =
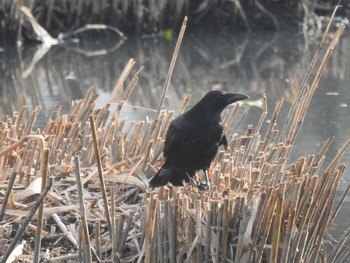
[(260, 207)]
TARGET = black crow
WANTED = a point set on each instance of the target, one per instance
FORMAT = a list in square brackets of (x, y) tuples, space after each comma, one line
[(192, 140)]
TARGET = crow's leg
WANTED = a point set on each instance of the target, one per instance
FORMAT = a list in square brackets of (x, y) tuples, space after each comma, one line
[(192, 182), (206, 185)]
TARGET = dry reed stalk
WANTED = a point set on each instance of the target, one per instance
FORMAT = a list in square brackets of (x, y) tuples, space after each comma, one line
[(277, 228), (98, 239), (121, 80), (12, 147), (9, 189), (224, 242), (118, 229), (340, 247), (337, 208), (64, 229), (125, 233), (159, 230), (217, 224), (73, 256), (26, 222), (184, 104), (115, 229), (150, 228), (309, 93), (85, 241), (288, 235), (100, 175), (172, 64), (44, 174), (307, 76), (230, 117), (266, 223)]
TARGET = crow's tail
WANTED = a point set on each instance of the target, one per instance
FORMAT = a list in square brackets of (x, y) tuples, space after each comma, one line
[(165, 175)]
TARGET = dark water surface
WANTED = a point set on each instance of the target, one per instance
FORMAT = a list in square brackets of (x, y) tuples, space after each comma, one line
[(254, 64)]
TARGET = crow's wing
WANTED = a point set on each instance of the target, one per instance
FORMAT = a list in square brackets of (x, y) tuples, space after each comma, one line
[(176, 137)]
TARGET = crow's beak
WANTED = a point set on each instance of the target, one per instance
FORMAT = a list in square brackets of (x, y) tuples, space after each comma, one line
[(233, 97)]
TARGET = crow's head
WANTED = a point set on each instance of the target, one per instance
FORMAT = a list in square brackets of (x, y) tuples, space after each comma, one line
[(215, 101)]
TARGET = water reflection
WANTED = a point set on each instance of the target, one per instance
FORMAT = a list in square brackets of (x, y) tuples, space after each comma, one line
[(253, 63), (256, 64)]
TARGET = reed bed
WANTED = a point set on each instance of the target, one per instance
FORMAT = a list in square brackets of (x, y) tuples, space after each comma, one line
[(152, 17), (87, 172)]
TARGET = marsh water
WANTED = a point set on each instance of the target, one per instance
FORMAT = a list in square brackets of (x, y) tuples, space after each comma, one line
[(255, 63)]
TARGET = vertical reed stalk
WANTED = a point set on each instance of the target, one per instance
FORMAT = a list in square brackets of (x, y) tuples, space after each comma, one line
[(172, 64), (44, 174), (84, 226), (100, 174)]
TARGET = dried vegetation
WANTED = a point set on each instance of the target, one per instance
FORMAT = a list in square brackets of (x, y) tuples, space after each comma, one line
[(90, 170)]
